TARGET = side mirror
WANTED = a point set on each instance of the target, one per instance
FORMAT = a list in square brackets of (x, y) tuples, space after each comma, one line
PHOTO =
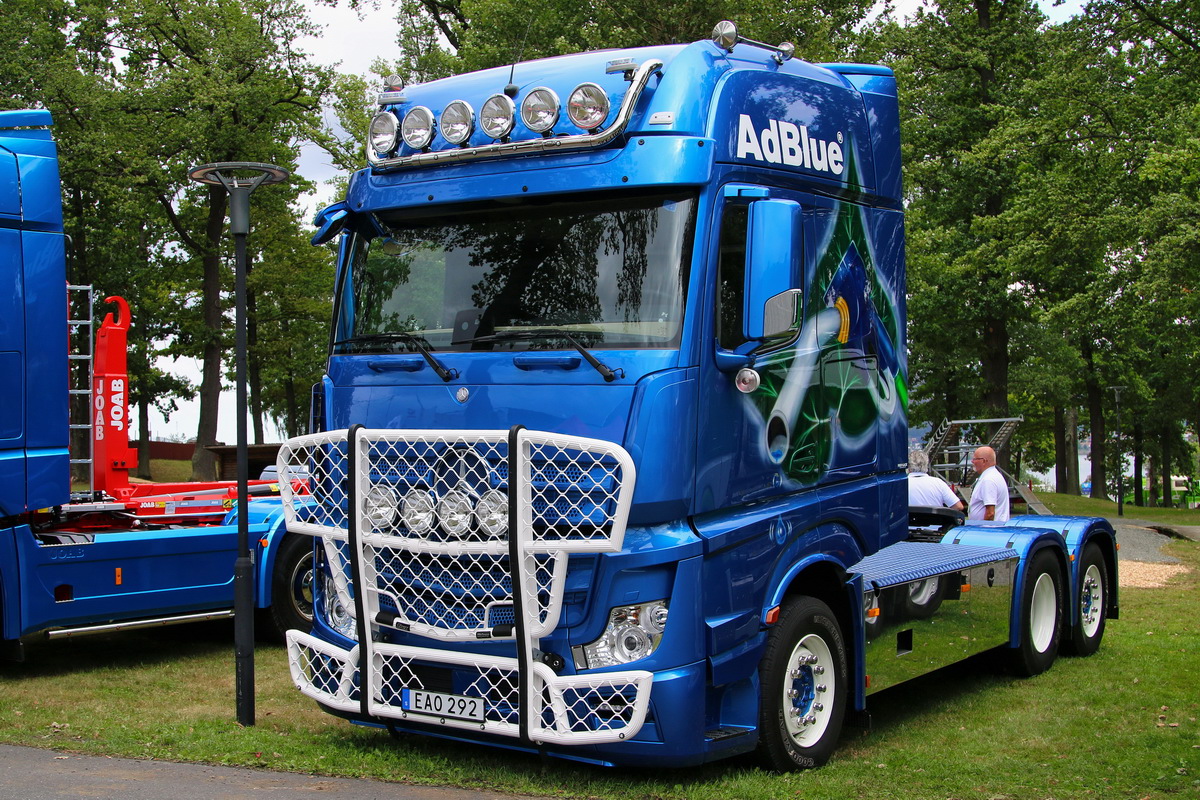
[(773, 304), (330, 221)]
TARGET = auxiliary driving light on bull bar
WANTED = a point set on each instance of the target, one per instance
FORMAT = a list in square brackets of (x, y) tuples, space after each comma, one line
[(457, 122), (454, 513), (417, 512), (417, 128), (540, 109), (588, 106), (383, 132), (498, 116), (381, 506), (491, 513)]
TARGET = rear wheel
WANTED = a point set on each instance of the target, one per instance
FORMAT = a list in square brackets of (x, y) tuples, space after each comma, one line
[(1041, 616), (292, 586), (923, 598), (1092, 603), (803, 687)]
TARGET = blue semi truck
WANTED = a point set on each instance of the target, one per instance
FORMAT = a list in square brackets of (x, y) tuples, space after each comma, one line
[(609, 458), (120, 557)]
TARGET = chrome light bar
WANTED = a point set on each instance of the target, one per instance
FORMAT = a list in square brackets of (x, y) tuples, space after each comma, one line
[(559, 144)]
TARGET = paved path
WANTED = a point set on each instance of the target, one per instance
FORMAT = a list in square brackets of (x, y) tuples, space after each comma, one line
[(28, 773)]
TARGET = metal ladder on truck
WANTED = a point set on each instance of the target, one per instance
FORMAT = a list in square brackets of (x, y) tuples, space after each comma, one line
[(81, 348)]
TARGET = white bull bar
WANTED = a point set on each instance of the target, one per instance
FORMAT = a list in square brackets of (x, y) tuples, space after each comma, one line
[(412, 517)]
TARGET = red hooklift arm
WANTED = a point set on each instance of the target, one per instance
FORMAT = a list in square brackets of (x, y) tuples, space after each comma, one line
[(113, 458)]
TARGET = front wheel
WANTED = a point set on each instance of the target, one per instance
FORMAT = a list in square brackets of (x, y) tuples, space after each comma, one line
[(1092, 602), (1041, 616), (292, 586), (803, 687)]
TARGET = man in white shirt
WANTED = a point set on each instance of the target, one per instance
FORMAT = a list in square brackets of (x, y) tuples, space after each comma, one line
[(925, 489), (989, 495)]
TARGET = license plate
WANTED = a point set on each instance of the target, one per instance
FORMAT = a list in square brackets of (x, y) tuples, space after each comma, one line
[(441, 705)]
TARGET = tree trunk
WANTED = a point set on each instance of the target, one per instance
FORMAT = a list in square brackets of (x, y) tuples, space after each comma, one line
[(1060, 451), (1095, 403), (253, 362), (1168, 493), (1139, 490), (995, 376), (143, 442), (204, 463), (1152, 479), (290, 409), (1071, 432)]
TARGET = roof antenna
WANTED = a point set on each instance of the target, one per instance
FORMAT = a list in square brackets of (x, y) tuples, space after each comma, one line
[(512, 89)]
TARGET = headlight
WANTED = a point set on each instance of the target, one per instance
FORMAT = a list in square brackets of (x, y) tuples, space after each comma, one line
[(457, 122), (417, 128), (417, 512), (339, 617), (383, 132), (497, 116), (381, 505), (454, 513), (539, 110), (491, 513), (588, 106), (632, 633)]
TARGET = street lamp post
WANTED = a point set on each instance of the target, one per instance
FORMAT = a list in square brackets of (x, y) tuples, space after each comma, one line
[(1120, 455), (239, 189)]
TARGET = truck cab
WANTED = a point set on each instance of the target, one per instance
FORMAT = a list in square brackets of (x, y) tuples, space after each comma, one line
[(615, 404)]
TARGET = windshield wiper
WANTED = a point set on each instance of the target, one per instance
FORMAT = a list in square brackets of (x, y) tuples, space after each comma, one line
[(417, 342), (609, 375)]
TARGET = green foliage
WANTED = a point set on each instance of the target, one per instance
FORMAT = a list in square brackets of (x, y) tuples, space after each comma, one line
[(141, 92), (444, 38)]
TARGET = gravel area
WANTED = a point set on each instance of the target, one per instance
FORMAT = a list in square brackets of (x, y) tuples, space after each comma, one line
[(1143, 575), (1143, 564)]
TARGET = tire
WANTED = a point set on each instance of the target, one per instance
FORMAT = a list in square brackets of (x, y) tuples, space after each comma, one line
[(803, 687), (1041, 616), (291, 586), (1092, 602), (923, 598)]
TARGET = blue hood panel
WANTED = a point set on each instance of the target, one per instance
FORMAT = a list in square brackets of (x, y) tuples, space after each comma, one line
[(542, 390), (599, 412)]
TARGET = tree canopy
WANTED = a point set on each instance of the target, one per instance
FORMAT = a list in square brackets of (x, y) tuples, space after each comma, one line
[(1052, 177)]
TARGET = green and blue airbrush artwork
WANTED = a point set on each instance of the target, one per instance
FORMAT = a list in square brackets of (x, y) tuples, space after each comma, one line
[(829, 401)]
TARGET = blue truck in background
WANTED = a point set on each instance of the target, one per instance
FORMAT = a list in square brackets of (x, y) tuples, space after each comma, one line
[(608, 462), (123, 557)]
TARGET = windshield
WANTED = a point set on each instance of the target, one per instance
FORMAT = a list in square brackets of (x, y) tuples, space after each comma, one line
[(607, 273)]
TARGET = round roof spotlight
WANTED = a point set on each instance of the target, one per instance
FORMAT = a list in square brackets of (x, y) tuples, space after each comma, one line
[(383, 132), (725, 34), (588, 106), (457, 122), (417, 128), (539, 110), (498, 116)]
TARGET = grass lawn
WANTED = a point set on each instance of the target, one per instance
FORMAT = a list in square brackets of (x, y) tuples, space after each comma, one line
[(1121, 724), (163, 471), (1087, 507)]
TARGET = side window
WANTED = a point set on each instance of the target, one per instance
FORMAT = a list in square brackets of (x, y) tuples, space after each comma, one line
[(731, 277)]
